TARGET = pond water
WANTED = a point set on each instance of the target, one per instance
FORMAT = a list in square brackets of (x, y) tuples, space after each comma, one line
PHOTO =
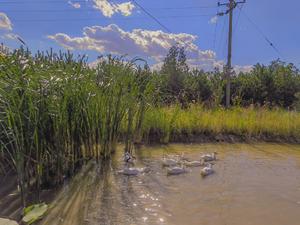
[(254, 184)]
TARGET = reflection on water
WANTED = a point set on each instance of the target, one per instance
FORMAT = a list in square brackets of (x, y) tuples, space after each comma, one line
[(253, 184)]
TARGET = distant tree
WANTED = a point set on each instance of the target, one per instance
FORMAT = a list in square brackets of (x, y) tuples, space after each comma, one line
[(273, 85), (175, 69)]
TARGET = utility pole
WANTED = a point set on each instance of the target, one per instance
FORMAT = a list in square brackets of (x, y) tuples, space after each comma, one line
[(228, 69)]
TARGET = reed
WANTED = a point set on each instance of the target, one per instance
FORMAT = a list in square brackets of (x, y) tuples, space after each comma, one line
[(198, 120), (56, 113)]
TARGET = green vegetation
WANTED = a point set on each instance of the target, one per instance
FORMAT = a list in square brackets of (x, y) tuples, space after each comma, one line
[(56, 112), (170, 123)]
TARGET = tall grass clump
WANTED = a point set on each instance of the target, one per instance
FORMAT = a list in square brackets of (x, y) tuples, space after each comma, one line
[(56, 112), (172, 122)]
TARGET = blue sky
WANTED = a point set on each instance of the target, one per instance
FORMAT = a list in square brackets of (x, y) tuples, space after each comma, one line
[(39, 21)]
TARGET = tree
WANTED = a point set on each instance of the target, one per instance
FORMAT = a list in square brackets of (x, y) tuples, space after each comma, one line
[(174, 69)]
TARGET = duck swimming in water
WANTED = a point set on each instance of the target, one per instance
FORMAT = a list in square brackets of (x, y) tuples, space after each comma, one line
[(130, 171), (194, 163), (207, 170), (176, 170), (134, 171), (128, 158), (209, 157), (166, 162)]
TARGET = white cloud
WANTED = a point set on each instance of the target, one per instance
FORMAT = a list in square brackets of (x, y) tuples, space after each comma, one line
[(10, 36), (108, 9), (75, 5), (243, 69), (213, 20), (147, 44), (5, 22)]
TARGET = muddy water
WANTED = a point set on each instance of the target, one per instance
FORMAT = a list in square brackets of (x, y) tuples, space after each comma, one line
[(254, 184)]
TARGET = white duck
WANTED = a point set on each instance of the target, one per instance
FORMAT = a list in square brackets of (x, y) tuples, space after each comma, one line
[(194, 163), (209, 157), (128, 158), (134, 171), (176, 170), (207, 170), (130, 171), (168, 162)]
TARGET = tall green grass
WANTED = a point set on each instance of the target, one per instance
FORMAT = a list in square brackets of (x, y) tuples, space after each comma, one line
[(196, 120), (56, 113)]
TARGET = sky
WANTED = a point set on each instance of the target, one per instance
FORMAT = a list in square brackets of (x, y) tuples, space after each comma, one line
[(121, 27)]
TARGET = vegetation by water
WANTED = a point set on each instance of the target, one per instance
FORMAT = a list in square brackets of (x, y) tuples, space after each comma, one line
[(173, 123), (56, 112)]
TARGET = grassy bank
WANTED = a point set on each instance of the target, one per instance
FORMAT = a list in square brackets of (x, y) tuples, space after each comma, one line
[(170, 123)]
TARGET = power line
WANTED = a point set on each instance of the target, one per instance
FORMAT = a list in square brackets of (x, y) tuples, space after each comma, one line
[(215, 35), (221, 37), (92, 9), (107, 19), (238, 18), (150, 15), (263, 34), (84, 1), (158, 22)]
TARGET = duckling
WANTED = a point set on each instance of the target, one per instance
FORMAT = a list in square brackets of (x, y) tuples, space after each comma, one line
[(130, 171), (193, 163), (166, 162), (207, 170), (209, 157), (145, 170), (134, 171), (182, 157), (176, 170), (128, 158)]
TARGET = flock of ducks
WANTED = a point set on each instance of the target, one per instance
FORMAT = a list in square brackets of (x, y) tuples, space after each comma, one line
[(179, 164), (174, 165)]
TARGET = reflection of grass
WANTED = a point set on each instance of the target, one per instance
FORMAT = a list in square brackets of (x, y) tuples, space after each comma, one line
[(238, 121)]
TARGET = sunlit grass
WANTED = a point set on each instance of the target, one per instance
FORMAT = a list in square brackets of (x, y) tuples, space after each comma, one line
[(237, 121)]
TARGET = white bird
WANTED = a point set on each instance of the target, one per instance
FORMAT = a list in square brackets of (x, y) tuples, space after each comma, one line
[(128, 158), (209, 157), (193, 163), (134, 171), (144, 170), (166, 162), (176, 170), (207, 170), (130, 171)]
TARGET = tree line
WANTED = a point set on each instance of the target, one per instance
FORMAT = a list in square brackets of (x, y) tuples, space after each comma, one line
[(273, 85)]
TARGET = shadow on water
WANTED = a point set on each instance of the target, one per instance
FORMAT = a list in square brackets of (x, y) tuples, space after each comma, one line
[(253, 184)]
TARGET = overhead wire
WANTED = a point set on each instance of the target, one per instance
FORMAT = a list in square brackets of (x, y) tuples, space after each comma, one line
[(238, 18), (215, 35), (162, 25), (215, 32), (84, 1), (221, 36), (263, 34), (105, 19), (150, 15)]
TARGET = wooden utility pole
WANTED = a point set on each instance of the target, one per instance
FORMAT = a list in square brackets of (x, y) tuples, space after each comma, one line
[(230, 7)]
